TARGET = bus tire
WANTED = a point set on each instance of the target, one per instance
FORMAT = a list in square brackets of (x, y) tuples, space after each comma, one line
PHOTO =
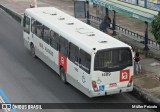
[(63, 75), (33, 51)]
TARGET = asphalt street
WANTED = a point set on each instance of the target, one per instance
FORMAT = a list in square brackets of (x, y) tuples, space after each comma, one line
[(28, 80)]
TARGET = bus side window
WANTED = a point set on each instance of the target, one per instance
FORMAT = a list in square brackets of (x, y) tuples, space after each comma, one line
[(46, 34), (39, 29), (73, 54), (63, 46), (33, 26), (26, 24), (54, 41), (84, 61)]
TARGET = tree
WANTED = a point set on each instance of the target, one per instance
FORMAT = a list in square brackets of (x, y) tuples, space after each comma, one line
[(155, 30)]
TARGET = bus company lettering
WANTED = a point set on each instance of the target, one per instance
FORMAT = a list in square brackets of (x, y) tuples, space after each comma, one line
[(48, 51), (124, 75), (41, 45)]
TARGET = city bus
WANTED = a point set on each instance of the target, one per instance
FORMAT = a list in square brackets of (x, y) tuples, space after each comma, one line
[(90, 60)]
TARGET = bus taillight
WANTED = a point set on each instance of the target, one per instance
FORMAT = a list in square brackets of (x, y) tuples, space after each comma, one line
[(130, 82), (94, 85)]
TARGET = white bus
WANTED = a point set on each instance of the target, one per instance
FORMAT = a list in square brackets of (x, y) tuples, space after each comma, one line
[(90, 60)]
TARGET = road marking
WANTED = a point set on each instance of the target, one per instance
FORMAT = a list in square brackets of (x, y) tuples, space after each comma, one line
[(1, 101), (3, 95), (4, 99)]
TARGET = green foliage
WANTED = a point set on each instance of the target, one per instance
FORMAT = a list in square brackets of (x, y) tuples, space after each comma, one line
[(156, 28)]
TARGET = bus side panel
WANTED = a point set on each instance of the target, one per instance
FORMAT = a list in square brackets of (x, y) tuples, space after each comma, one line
[(26, 40), (53, 59), (78, 78), (72, 70), (78, 85), (45, 56), (48, 61), (84, 79)]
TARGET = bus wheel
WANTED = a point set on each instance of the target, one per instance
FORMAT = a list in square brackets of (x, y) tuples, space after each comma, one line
[(33, 51), (63, 75)]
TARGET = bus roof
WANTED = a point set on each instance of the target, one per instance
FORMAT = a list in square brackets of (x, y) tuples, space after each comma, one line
[(79, 33)]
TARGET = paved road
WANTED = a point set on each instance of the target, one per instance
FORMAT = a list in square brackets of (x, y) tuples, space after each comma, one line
[(28, 80)]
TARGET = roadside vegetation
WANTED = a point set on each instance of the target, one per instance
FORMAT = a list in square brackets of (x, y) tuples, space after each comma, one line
[(156, 28)]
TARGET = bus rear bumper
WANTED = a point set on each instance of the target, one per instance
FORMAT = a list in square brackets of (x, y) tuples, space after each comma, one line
[(120, 90), (112, 91)]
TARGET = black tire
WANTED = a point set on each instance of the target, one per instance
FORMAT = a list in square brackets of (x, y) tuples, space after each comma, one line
[(33, 51), (63, 76)]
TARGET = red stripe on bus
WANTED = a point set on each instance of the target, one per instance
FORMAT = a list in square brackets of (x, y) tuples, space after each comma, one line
[(63, 61)]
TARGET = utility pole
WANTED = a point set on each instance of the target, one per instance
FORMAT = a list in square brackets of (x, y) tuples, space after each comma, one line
[(114, 23), (107, 12), (145, 3), (88, 18), (137, 2), (146, 37)]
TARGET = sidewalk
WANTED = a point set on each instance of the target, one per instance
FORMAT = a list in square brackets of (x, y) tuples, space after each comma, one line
[(137, 26), (149, 80), (147, 84)]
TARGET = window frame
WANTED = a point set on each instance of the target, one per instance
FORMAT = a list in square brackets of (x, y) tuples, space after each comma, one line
[(33, 25), (56, 40), (62, 49), (82, 66), (75, 54), (115, 67), (27, 30), (39, 29), (46, 39)]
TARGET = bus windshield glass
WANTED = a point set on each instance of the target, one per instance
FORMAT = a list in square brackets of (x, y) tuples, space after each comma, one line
[(110, 60)]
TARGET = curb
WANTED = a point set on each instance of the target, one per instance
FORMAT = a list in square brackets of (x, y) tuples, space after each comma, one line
[(145, 95), (137, 91), (15, 15)]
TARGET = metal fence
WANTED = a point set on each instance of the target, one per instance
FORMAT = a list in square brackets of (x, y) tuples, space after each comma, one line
[(128, 33)]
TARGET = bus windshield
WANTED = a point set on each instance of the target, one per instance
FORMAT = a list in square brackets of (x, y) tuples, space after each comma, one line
[(110, 60)]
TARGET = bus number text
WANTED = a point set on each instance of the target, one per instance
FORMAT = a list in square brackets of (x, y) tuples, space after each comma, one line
[(106, 74)]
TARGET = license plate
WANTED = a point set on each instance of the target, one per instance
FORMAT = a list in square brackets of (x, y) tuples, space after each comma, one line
[(113, 84)]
